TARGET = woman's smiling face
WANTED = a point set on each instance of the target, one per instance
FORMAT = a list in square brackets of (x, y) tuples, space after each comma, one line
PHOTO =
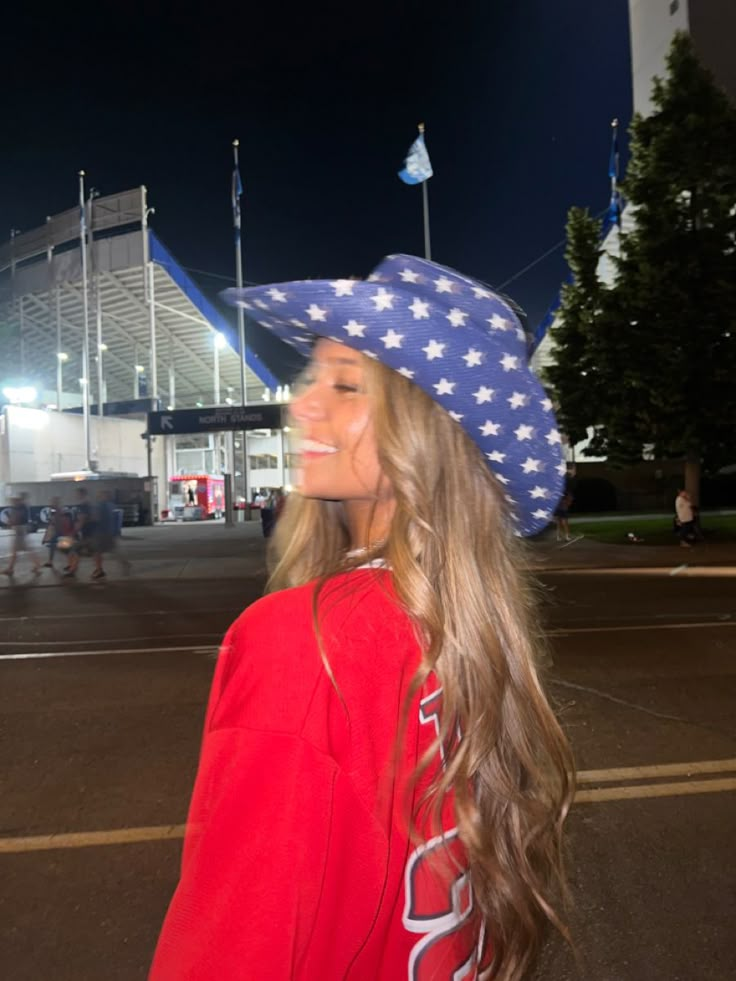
[(338, 456)]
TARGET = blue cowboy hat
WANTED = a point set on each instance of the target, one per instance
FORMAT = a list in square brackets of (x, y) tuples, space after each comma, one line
[(460, 342)]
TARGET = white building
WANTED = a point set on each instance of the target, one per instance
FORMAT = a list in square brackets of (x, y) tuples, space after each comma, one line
[(103, 337)]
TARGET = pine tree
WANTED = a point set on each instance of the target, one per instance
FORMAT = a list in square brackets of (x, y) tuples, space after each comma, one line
[(664, 340), (572, 375)]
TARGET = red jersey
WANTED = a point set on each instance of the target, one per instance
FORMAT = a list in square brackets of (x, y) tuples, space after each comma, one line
[(297, 863)]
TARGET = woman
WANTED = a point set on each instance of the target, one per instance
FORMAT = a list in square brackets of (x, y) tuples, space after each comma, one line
[(382, 783)]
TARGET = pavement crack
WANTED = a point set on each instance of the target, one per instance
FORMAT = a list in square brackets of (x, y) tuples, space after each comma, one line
[(621, 701)]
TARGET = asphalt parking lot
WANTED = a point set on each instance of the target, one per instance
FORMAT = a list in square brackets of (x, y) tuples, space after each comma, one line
[(101, 705)]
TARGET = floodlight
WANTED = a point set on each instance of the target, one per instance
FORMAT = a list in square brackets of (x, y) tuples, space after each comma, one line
[(220, 341), (24, 393), (62, 355)]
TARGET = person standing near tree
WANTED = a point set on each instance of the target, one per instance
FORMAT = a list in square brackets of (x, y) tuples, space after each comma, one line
[(383, 784)]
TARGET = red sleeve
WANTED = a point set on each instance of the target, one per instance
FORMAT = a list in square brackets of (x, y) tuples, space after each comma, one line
[(277, 838)]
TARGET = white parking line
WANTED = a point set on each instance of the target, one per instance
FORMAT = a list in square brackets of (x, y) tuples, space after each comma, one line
[(628, 627), (114, 613), (207, 648), (176, 649), (686, 570), (210, 635)]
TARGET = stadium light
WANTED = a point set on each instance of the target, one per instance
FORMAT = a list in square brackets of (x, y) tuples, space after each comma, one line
[(17, 396), (62, 356), (220, 341)]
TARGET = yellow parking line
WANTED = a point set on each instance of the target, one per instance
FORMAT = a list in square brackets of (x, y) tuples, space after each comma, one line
[(86, 839), (659, 770), (679, 789), (173, 832)]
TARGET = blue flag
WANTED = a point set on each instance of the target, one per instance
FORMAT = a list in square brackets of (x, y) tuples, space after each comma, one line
[(417, 167), (614, 209)]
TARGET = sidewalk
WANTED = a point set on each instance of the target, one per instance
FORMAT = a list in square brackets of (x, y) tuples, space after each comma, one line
[(212, 551), (586, 553)]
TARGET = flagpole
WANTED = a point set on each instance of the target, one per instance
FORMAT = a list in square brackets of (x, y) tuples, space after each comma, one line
[(613, 171), (425, 202), (425, 209), (85, 315), (236, 191), (239, 272)]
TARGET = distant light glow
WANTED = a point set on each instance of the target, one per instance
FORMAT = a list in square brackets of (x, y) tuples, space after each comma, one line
[(220, 340), (140, 369), (62, 355), (102, 347), (17, 396)]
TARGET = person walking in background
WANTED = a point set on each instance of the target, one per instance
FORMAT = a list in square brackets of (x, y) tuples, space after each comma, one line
[(279, 502), (19, 518), (562, 517), (383, 784), (104, 534), (60, 526), (685, 517), (84, 528), (267, 515)]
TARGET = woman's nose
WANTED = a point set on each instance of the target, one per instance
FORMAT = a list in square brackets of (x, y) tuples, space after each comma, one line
[(308, 405)]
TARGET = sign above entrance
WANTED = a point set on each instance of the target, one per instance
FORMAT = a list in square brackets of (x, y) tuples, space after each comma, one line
[(179, 422)]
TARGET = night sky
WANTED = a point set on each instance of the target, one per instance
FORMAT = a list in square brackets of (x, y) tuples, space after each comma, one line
[(517, 97)]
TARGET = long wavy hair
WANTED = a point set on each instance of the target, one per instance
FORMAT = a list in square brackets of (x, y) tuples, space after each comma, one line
[(457, 570)]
